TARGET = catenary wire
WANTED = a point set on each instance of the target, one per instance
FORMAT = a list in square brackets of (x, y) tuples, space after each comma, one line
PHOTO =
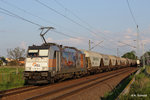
[(17, 16), (37, 24), (31, 14), (87, 24), (26, 11), (131, 13), (52, 9), (73, 14), (137, 27), (9, 13), (60, 4), (61, 33)]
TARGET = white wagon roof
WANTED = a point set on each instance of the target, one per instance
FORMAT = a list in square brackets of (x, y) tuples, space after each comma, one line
[(91, 54)]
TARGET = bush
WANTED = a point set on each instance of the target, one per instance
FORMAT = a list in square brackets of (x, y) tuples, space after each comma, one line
[(1, 62), (13, 63)]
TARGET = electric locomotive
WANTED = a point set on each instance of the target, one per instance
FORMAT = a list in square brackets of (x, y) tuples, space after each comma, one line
[(50, 62)]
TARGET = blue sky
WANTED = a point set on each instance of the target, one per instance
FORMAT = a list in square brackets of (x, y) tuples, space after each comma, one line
[(110, 20)]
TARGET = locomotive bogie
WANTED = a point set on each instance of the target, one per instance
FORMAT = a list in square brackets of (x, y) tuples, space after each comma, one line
[(36, 77)]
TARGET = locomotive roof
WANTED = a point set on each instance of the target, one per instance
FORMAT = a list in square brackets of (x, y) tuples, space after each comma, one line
[(49, 44), (70, 47), (38, 47), (44, 46)]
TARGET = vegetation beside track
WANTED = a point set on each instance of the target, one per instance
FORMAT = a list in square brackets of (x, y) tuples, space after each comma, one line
[(140, 89), (148, 69), (114, 94), (11, 77)]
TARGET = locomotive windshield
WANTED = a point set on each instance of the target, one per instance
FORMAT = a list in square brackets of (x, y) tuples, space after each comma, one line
[(43, 52), (32, 53), (38, 53)]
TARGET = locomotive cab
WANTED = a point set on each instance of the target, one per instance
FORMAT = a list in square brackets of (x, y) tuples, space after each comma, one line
[(40, 61)]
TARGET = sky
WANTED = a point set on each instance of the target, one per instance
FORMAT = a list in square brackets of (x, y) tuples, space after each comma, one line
[(105, 21)]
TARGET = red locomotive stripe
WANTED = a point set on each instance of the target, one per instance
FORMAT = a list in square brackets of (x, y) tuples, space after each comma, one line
[(81, 60), (52, 63)]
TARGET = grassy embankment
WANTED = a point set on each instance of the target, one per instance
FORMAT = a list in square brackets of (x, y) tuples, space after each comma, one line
[(115, 93), (140, 89), (148, 69), (11, 77)]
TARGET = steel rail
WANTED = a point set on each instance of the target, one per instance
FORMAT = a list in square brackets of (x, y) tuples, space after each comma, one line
[(78, 84), (85, 87), (16, 90)]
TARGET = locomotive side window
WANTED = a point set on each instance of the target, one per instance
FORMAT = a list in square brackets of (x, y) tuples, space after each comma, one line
[(32, 53), (43, 53)]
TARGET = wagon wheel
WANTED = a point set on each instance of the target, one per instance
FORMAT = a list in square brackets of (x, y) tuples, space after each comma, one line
[(52, 80)]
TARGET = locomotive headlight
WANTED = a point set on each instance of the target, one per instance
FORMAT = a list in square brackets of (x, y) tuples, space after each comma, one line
[(44, 68), (44, 74), (28, 68)]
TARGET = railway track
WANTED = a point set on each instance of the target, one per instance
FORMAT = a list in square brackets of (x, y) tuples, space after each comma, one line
[(73, 89), (16, 90), (64, 89)]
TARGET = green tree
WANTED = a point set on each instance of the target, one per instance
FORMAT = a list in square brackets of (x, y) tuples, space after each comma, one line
[(130, 55), (146, 57)]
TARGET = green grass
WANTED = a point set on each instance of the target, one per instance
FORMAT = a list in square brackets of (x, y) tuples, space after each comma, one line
[(11, 77), (148, 69), (10, 69), (141, 86)]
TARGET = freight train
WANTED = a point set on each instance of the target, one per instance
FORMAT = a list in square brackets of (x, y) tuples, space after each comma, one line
[(50, 62)]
